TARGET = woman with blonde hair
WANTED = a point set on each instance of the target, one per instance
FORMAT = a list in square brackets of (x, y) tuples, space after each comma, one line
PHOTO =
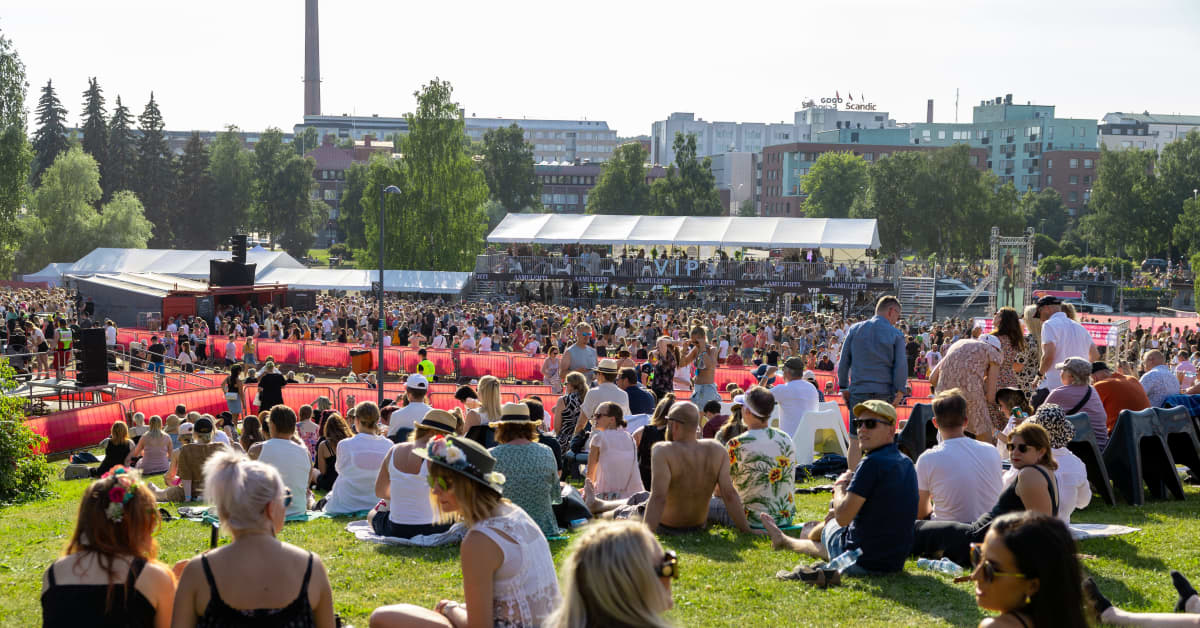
[(108, 574), (154, 448), (508, 573), (256, 575), (616, 575), (489, 403)]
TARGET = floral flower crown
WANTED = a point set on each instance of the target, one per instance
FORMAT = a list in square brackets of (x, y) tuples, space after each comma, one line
[(122, 491), (443, 451)]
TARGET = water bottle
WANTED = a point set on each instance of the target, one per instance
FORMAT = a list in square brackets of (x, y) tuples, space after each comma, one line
[(844, 560), (943, 565), (578, 523)]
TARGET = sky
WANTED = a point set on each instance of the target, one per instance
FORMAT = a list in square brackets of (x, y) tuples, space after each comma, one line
[(217, 62)]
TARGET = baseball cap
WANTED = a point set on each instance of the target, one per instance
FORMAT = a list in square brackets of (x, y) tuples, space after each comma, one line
[(809, 375), (882, 408), (1076, 366), (185, 428), (416, 381), (794, 364), (204, 425), (1049, 299)]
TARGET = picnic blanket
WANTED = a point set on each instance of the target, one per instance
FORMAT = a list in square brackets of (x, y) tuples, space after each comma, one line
[(207, 515), (363, 532), (1083, 531)]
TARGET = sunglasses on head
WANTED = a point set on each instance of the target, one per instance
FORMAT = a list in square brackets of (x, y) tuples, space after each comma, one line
[(987, 571), (869, 424), (668, 567), (1021, 447)]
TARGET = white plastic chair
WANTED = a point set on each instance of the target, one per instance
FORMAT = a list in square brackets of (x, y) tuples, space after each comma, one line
[(803, 439), (828, 405), (634, 421)]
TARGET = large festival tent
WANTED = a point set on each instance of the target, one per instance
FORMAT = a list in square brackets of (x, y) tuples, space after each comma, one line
[(51, 274), (181, 263), (851, 237)]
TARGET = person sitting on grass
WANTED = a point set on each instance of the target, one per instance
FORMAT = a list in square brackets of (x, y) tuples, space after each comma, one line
[(762, 462), (687, 472), (324, 473), (256, 577), (108, 574), (1026, 569), (529, 466), (616, 574), (289, 456), (153, 449), (612, 455), (117, 449), (189, 464), (873, 506), (358, 462), (959, 479), (508, 573), (402, 483), (1033, 489), (1187, 609)]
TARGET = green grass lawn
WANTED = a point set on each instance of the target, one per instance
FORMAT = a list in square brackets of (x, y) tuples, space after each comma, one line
[(727, 579), (321, 255)]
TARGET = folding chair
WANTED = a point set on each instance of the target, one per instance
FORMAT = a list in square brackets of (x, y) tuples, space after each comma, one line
[(1084, 446), (919, 433), (1182, 441), (1137, 457), (806, 431)]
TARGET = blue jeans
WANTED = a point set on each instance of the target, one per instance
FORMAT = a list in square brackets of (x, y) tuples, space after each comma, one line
[(857, 398), (704, 393), (834, 539)]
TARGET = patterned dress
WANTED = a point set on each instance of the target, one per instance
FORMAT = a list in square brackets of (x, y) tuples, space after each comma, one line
[(1028, 364), (1012, 367), (965, 367), (531, 481), (762, 465), (572, 402)]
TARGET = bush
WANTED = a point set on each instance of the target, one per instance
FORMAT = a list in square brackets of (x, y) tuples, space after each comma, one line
[(1044, 245), (1052, 264), (24, 473), (340, 250)]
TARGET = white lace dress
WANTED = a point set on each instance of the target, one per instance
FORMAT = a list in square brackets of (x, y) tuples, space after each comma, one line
[(525, 587)]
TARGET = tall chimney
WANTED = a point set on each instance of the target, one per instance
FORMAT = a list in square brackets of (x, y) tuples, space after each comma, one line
[(929, 111), (312, 60)]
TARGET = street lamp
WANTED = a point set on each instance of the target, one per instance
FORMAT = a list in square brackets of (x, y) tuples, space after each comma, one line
[(383, 192)]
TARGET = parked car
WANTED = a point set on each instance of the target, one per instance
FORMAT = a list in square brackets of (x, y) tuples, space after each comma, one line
[(1154, 264)]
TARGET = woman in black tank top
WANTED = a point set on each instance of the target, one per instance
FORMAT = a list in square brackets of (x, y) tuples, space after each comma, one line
[(1033, 489), (655, 432)]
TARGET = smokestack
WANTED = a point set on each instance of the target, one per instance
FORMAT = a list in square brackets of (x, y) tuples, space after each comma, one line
[(312, 60), (929, 111)]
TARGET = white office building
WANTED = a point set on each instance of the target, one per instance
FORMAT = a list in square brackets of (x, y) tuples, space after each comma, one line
[(1148, 131)]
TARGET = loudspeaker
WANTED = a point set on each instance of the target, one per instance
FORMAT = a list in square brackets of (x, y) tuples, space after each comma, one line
[(229, 273), (238, 243), (92, 358)]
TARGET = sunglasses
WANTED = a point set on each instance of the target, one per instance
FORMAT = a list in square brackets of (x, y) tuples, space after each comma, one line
[(668, 567), (438, 482), (869, 424), (988, 572), (287, 498), (1021, 447)]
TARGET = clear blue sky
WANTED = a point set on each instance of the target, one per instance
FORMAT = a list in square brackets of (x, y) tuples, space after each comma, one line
[(223, 62)]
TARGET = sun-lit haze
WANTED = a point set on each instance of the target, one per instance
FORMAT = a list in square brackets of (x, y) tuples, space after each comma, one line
[(629, 63)]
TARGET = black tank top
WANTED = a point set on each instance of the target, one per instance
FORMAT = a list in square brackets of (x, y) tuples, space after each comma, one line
[(218, 614), (650, 435), (1009, 501), (75, 605)]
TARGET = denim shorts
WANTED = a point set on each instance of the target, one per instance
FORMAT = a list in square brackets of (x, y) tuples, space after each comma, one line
[(704, 393), (834, 539)]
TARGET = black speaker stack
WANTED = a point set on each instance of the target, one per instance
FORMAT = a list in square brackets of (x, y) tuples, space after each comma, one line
[(235, 272), (91, 360)]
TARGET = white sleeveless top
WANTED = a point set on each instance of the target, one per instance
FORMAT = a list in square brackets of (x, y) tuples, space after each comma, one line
[(358, 461), (525, 587), (409, 501)]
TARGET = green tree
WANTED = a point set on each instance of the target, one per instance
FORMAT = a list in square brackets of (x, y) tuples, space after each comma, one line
[(120, 165), (1003, 210), (622, 188), (350, 210), (689, 189), (894, 187), (833, 184), (156, 175), (95, 127), (62, 211), (194, 197), (27, 474), (306, 140), (283, 185), (955, 203), (122, 223), (1044, 211), (231, 169), (50, 139), (1178, 173), (1124, 213), (437, 222), (508, 168), (16, 155), (746, 209), (1187, 230)]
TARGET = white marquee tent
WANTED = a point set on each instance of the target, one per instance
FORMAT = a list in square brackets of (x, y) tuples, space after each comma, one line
[(181, 263), (725, 231), (425, 281)]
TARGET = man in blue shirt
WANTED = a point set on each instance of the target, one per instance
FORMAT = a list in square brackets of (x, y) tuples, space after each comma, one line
[(873, 364), (641, 401), (874, 507)]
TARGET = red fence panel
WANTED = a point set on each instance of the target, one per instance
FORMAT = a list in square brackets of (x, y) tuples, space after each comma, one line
[(744, 378), (294, 395), (124, 337), (524, 390), (360, 392), (219, 347), (444, 401), (527, 369), (204, 401), (443, 362), (827, 376), (920, 388), (480, 364), (282, 352), (392, 359), (331, 355), (74, 429)]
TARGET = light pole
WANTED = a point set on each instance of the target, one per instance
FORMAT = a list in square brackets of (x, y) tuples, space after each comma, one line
[(383, 192)]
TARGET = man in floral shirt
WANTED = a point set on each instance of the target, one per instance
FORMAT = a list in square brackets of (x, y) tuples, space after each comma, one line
[(762, 463)]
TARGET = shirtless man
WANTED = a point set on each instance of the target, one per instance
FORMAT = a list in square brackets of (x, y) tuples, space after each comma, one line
[(687, 473), (705, 357)]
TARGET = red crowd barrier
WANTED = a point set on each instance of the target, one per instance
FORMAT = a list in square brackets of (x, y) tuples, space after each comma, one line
[(740, 376), (824, 377), (392, 359), (218, 346), (294, 395), (283, 352), (920, 388), (75, 429), (480, 364), (527, 369), (331, 356), (204, 400)]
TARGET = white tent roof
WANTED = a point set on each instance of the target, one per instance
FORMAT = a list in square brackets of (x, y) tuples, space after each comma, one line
[(52, 273), (153, 284), (735, 231), (427, 281), (181, 263)]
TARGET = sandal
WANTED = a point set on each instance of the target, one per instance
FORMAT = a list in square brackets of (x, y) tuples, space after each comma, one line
[(815, 575)]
